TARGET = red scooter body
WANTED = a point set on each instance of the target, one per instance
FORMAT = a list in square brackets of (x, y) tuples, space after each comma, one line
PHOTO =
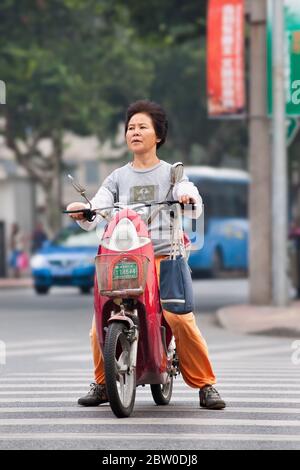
[(154, 333)]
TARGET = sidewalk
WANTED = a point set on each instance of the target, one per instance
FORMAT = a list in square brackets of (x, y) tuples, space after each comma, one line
[(13, 283), (251, 319)]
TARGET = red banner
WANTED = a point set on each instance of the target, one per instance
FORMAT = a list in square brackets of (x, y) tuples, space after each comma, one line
[(225, 58)]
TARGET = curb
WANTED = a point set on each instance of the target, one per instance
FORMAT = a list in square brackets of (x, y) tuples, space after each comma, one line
[(10, 283), (261, 320)]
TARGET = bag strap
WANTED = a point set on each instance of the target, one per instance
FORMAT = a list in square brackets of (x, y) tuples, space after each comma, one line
[(175, 239)]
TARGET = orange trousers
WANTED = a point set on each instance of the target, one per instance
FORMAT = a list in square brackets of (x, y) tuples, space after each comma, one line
[(191, 348)]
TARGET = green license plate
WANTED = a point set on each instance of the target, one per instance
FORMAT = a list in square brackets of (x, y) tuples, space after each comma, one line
[(125, 271)]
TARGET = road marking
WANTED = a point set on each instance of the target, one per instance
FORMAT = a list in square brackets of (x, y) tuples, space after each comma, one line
[(229, 378), (277, 375), (146, 409), (250, 352), (49, 350), (43, 392), (151, 436), (39, 342), (229, 400), (247, 344), (183, 391), (68, 357), (279, 384), (199, 421), (221, 384), (46, 385), (49, 375)]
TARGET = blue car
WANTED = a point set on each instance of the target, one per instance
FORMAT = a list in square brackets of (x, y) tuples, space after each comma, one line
[(68, 260)]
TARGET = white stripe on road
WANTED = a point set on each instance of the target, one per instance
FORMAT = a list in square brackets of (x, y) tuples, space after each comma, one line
[(229, 400), (44, 378), (220, 384), (185, 391), (264, 378), (150, 437), (249, 343), (199, 421), (279, 384), (39, 342), (50, 350), (68, 357), (250, 352), (152, 409), (257, 366), (46, 385), (42, 400), (50, 374), (287, 368), (43, 392), (229, 375)]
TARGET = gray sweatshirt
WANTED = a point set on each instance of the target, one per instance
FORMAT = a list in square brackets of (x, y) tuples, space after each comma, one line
[(130, 185)]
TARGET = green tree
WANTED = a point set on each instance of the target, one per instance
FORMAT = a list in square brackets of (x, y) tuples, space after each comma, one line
[(68, 65)]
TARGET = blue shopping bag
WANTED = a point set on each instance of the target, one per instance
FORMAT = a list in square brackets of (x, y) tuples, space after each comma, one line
[(176, 286)]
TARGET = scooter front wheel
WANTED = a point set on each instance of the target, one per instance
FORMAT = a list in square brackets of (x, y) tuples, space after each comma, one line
[(120, 380), (162, 393)]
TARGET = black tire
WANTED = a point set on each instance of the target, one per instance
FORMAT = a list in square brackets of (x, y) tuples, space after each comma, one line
[(162, 393), (217, 267), (41, 290), (116, 349), (85, 289)]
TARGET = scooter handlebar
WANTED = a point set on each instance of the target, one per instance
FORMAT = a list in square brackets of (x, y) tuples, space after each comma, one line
[(90, 214)]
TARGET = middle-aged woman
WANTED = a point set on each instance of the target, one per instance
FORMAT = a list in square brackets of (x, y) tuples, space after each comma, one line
[(147, 177)]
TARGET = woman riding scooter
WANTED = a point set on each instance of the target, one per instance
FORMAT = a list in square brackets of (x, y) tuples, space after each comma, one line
[(147, 178)]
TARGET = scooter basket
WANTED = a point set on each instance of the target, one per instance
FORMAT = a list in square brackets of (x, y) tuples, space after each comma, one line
[(121, 274)]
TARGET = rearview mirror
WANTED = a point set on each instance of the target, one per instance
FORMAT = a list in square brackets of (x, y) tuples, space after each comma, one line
[(80, 189), (176, 172)]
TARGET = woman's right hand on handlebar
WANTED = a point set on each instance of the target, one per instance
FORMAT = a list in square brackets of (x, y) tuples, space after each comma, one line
[(74, 206)]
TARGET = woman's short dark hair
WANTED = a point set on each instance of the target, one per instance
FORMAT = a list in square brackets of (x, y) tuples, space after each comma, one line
[(156, 113)]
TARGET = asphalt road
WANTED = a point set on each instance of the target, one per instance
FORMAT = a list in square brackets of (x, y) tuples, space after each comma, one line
[(48, 366)]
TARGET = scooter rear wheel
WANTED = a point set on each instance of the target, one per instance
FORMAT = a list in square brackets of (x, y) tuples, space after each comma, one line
[(120, 381), (162, 393)]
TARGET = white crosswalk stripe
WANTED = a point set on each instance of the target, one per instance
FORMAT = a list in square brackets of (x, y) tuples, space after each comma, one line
[(263, 401)]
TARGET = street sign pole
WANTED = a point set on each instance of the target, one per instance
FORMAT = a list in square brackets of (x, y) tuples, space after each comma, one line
[(279, 180)]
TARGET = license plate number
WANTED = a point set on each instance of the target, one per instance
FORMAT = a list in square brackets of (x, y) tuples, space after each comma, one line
[(125, 271)]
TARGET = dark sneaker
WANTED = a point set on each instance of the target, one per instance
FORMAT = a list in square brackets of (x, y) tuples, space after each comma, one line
[(210, 398), (95, 396)]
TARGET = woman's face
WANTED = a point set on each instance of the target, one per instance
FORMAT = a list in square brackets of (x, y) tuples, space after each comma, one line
[(140, 136)]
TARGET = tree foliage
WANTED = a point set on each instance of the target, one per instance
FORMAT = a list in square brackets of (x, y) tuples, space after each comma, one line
[(68, 65)]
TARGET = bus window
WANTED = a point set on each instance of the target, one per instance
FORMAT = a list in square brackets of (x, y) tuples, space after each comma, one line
[(223, 199)]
